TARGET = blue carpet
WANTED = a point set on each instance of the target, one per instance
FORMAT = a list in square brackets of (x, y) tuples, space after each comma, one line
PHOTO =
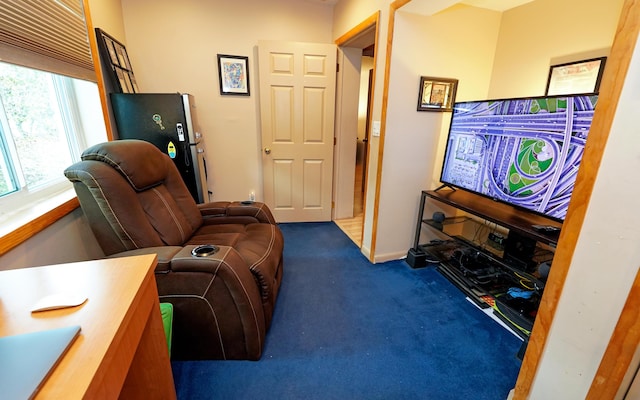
[(347, 329)]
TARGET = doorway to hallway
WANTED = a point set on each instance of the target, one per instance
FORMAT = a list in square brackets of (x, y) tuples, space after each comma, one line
[(362, 37), (353, 227)]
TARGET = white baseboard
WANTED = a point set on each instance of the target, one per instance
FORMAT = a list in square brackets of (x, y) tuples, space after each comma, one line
[(490, 313), (380, 258)]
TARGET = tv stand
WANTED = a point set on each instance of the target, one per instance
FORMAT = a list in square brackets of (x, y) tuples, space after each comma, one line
[(444, 186), (490, 250)]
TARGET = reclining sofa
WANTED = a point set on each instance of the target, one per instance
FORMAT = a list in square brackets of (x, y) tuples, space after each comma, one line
[(219, 263)]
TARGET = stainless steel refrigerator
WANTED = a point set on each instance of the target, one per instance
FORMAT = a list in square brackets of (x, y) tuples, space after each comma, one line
[(168, 120)]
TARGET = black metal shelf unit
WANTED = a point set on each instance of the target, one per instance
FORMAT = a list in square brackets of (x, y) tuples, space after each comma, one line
[(504, 277)]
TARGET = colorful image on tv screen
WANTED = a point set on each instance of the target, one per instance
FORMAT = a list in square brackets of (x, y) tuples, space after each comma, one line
[(525, 152)]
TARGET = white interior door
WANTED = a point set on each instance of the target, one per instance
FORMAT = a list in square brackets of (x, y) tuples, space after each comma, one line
[(297, 107)]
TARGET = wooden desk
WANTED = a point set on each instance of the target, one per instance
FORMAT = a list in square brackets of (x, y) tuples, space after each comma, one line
[(121, 350)]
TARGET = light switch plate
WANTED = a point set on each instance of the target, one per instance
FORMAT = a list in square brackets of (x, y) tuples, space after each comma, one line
[(376, 128)]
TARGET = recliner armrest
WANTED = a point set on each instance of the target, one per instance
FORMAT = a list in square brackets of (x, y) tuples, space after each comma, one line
[(218, 307), (225, 212), (184, 261), (179, 259), (165, 255)]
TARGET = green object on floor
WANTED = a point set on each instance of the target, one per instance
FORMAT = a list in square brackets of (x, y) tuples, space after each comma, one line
[(166, 309)]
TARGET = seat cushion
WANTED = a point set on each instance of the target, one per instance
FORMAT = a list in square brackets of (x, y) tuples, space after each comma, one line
[(259, 245), (252, 241)]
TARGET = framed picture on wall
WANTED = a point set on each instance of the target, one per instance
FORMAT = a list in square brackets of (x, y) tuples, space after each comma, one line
[(576, 77), (233, 74), (436, 94)]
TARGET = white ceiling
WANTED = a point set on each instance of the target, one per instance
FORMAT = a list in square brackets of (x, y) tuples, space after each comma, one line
[(327, 2), (430, 7), (496, 5)]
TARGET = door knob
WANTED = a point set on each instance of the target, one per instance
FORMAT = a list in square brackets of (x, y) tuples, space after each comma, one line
[(267, 150)]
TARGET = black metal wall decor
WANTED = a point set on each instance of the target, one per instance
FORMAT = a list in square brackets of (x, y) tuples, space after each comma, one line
[(114, 55)]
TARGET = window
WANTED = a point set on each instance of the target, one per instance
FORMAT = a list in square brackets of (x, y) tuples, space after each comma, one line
[(46, 120)]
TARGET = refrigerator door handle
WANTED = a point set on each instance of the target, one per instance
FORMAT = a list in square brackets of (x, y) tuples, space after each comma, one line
[(187, 156)]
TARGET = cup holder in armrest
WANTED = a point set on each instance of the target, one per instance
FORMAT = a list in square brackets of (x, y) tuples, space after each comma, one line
[(204, 250)]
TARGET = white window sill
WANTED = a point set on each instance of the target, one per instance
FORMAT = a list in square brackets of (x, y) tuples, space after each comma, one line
[(21, 225)]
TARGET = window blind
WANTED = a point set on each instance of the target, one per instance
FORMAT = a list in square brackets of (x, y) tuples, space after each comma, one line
[(49, 35)]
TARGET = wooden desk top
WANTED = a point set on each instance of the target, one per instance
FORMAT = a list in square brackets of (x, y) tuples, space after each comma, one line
[(120, 291)]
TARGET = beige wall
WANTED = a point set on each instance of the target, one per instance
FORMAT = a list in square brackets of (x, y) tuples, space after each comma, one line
[(107, 14), (539, 34), (413, 139), (173, 47), (68, 240)]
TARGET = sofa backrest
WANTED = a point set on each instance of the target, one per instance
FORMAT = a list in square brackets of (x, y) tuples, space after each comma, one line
[(133, 196)]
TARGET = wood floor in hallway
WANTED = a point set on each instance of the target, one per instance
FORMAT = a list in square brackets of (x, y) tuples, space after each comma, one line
[(352, 227)]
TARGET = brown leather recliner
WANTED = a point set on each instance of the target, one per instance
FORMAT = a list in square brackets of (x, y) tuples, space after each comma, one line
[(136, 202)]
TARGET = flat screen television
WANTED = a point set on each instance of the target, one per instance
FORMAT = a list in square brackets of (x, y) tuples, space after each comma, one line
[(523, 151)]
